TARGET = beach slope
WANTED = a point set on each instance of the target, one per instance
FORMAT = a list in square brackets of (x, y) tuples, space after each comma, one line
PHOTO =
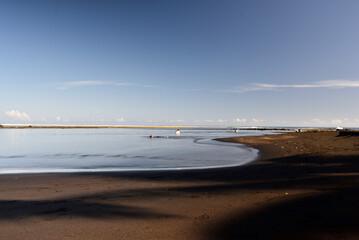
[(303, 186)]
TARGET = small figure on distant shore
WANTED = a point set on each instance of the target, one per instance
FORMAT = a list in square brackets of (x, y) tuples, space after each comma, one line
[(178, 132), (236, 130)]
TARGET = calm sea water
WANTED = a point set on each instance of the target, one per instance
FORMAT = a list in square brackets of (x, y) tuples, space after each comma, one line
[(86, 150)]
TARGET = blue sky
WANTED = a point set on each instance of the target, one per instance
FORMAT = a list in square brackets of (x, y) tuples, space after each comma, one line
[(227, 63)]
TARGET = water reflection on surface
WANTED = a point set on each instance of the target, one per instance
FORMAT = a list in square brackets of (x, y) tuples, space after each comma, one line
[(76, 150)]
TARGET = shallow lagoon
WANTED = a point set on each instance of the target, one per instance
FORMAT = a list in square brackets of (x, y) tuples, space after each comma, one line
[(86, 150)]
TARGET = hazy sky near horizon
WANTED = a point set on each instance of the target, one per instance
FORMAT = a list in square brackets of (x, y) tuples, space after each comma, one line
[(228, 63)]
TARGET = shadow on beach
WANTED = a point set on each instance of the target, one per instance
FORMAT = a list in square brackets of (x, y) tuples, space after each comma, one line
[(331, 211)]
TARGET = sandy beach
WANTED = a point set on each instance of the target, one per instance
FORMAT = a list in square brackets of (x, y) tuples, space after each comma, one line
[(303, 186)]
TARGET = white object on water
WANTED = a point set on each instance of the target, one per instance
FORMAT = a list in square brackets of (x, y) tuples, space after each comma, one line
[(178, 132)]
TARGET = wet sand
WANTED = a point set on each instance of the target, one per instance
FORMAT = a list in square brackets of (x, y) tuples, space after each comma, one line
[(303, 186)]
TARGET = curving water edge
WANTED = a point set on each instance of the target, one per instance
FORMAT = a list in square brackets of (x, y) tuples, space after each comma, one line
[(109, 150)]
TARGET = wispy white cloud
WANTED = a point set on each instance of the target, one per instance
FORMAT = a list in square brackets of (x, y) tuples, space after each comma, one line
[(337, 121), (333, 122), (15, 114), (251, 121), (334, 84), (177, 121), (240, 120), (60, 119), (84, 83), (67, 85), (256, 121), (220, 120)]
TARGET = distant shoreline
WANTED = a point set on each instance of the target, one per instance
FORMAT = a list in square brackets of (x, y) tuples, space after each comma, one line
[(54, 126), (40, 126), (22, 126)]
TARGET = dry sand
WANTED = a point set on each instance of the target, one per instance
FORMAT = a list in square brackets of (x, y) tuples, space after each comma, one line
[(304, 186)]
